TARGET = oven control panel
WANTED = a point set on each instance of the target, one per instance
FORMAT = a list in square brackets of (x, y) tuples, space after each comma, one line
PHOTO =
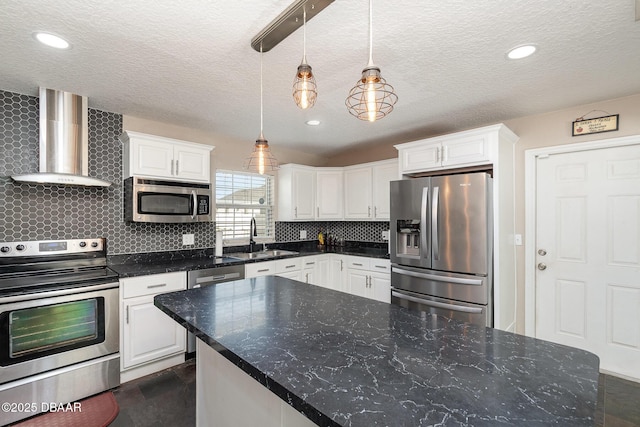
[(51, 247)]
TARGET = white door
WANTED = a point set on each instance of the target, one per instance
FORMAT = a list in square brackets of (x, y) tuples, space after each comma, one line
[(382, 176), (329, 196), (357, 193), (587, 247), (192, 163), (304, 194)]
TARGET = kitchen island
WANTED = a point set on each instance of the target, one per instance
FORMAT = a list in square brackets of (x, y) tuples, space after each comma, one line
[(342, 360)]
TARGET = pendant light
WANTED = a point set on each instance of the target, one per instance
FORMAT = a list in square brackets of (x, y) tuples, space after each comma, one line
[(304, 84), (371, 98), (261, 159)]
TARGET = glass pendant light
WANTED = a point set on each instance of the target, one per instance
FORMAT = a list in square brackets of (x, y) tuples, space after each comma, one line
[(304, 84), (371, 98), (261, 159)]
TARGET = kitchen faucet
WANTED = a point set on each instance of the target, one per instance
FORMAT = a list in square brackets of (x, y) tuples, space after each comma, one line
[(253, 232)]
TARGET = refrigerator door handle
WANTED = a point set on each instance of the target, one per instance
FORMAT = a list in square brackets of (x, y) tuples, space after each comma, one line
[(447, 279), (425, 249), (436, 304), (434, 223)]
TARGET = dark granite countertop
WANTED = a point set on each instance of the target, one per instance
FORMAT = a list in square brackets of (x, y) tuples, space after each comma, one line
[(166, 262), (345, 360)]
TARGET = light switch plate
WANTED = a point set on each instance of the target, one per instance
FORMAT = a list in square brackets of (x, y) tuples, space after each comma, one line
[(303, 234), (188, 239)]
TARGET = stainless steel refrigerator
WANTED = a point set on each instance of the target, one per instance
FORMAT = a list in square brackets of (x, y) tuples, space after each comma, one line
[(442, 246)]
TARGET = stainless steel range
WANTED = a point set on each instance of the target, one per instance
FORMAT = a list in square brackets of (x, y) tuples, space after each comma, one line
[(59, 334)]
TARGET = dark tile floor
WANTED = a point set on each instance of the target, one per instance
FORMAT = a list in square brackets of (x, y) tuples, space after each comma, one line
[(168, 398)]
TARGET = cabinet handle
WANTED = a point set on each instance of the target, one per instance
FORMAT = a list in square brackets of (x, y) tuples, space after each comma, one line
[(340, 265), (290, 266), (156, 286), (295, 212), (368, 211), (318, 210), (171, 167), (358, 264), (127, 315), (438, 155), (380, 266), (263, 270), (177, 163), (306, 278), (310, 263), (375, 211)]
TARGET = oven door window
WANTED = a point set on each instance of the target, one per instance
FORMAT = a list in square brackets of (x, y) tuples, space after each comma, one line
[(41, 331), (164, 204)]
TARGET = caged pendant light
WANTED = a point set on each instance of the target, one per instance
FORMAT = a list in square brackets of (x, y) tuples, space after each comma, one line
[(371, 98), (261, 159), (304, 85)]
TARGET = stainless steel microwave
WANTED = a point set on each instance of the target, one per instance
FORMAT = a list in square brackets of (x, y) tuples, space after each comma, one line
[(152, 200)]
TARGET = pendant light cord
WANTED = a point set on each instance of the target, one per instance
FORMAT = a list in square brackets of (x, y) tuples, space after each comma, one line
[(304, 35), (371, 33), (261, 90)]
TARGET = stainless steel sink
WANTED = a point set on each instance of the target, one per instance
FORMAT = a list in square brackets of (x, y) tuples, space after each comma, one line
[(271, 253)]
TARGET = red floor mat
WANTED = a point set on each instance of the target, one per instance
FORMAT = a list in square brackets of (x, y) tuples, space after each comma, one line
[(96, 411)]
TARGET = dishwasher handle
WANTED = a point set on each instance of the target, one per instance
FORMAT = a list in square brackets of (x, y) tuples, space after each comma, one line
[(219, 278)]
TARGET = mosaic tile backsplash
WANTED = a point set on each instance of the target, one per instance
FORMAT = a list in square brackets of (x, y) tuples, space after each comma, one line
[(38, 212)]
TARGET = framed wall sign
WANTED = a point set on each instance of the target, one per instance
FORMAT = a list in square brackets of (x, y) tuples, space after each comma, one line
[(597, 125)]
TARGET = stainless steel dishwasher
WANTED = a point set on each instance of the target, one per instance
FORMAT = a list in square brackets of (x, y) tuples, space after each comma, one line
[(207, 277)]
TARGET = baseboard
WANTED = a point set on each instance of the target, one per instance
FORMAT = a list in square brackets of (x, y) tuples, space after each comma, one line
[(150, 368)]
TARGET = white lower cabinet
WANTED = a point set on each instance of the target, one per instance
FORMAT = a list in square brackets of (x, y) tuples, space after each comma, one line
[(258, 269), (150, 339), (310, 269), (369, 278)]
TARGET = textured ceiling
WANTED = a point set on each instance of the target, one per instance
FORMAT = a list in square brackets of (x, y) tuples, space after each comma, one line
[(191, 63)]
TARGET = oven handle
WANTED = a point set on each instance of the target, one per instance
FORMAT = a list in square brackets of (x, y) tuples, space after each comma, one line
[(436, 304), (195, 204), (447, 279), (60, 292)]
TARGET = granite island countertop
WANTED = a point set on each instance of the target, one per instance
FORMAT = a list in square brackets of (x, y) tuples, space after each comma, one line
[(346, 360)]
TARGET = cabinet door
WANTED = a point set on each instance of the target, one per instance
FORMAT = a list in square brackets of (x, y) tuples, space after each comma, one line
[(357, 193), (192, 163), (148, 333), (465, 150), (151, 157), (310, 270), (357, 282), (420, 158), (380, 287), (329, 197), (304, 203), (382, 176), (337, 273)]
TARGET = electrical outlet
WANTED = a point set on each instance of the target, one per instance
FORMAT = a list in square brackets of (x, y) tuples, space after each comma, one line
[(188, 239), (303, 234), (385, 235)]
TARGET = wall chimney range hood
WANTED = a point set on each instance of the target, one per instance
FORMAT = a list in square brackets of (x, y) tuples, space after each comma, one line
[(64, 140)]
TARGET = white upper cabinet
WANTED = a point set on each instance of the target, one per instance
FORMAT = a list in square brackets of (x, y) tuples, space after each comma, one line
[(358, 196), (383, 174), (462, 149), (329, 194), (366, 190), (296, 193), (165, 158)]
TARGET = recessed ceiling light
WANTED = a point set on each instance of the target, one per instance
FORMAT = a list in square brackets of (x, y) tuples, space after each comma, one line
[(520, 52), (313, 122), (51, 40)]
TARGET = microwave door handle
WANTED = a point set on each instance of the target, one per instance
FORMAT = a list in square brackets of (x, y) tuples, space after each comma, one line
[(423, 223), (437, 304), (434, 223), (195, 204)]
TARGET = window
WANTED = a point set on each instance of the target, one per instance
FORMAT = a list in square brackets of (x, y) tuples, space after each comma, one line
[(241, 196)]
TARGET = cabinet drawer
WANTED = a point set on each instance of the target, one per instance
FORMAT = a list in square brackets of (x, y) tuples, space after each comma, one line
[(288, 264), (358, 263), (380, 265), (259, 269), (153, 284), (310, 262)]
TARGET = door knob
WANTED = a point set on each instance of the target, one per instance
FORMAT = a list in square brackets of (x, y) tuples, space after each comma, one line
[(542, 252), (542, 266)]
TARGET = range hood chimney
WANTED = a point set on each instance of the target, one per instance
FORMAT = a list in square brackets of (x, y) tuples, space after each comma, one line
[(64, 139)]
